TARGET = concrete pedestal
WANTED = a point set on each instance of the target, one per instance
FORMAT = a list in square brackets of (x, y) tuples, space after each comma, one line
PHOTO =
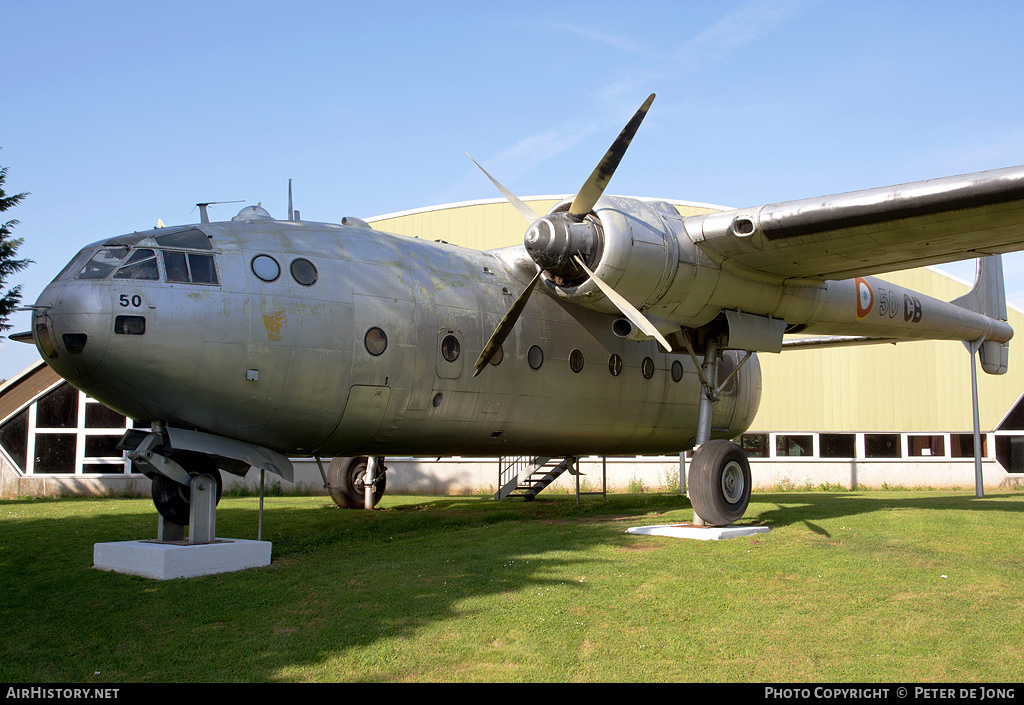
[(164, 561), (701, 533)]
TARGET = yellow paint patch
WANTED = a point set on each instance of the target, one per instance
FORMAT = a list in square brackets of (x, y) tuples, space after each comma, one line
[(273, 322)]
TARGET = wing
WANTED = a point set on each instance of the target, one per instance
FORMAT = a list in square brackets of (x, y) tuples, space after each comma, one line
[(872, 231)]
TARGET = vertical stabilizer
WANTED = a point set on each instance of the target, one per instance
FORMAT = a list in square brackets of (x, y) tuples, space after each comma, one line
[(988, 297)]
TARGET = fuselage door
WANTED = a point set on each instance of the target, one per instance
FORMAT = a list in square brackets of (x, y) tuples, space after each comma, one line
[(450, 353)]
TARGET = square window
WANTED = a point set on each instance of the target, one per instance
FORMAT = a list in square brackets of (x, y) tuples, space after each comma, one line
[(838, 445), (882, 445), (789, 446), (55, 453), (926, 446), (755, 445)]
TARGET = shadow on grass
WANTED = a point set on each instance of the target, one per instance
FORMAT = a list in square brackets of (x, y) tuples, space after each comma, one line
[(792, 507), (343, 587)]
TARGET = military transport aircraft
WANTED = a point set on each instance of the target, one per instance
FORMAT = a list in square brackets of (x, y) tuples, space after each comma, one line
[(618, 327)]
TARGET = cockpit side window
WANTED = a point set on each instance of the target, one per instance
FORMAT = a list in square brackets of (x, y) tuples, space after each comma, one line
[(141, 265), (190, 268), (102, 263), (191, 239)]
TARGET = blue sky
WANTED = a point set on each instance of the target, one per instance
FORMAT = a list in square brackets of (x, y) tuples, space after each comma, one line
[(115, 114)]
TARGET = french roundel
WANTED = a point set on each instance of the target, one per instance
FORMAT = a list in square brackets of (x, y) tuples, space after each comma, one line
[(865, 297)]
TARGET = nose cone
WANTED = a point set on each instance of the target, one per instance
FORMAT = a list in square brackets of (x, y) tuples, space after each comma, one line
[(71, 330)]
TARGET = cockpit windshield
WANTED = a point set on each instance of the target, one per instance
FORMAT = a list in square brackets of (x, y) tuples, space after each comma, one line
[(144, 263), (141, 265), (103, 263)]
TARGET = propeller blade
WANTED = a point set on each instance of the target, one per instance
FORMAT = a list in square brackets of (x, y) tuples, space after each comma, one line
[(587, 197), (524, 210), (505, 326), (628, 310)]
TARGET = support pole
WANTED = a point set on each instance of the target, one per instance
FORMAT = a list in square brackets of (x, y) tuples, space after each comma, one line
[(259, 523), (604, 478), (682, 473), (979, 484), (202, 516)]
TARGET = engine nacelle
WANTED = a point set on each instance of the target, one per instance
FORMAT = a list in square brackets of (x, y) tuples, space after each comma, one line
[(632, 245)]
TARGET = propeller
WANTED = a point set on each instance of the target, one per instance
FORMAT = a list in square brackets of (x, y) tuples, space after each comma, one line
[(602, 174), (561, 243), (505, 326), (628, 310), (523, 209)]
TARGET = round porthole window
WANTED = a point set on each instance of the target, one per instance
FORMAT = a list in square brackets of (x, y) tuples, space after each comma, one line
[(615, 365), (266, 268), (535, 357), (376, 341), (498, 356), (576, 361), (677, 371), (304, 272), (647, 368), (450, 348)]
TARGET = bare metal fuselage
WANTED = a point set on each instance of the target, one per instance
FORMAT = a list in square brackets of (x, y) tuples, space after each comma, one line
[(287, 366)]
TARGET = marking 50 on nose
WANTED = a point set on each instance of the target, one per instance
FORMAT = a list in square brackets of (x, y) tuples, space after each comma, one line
[(125, 301)]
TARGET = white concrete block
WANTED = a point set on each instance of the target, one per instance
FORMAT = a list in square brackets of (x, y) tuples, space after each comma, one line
[(701, 533), (164, 561)]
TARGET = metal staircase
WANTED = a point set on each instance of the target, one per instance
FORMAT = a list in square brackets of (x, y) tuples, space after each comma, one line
[(525, 476)]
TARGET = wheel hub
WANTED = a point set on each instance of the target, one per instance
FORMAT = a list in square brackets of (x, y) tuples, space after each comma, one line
[(732, 482)]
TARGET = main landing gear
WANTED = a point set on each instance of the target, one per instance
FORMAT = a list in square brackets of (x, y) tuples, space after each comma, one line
[(347, 478), (719, 486), (719, 483)]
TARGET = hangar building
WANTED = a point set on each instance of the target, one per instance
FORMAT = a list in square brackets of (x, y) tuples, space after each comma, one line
[(863, 416)]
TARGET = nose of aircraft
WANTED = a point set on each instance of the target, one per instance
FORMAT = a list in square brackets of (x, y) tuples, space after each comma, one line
[(71, 329)]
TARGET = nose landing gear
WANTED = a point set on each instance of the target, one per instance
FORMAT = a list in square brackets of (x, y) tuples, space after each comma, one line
[(173, 499)]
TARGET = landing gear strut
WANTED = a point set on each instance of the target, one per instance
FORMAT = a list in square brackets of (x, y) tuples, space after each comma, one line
[(719, 471)]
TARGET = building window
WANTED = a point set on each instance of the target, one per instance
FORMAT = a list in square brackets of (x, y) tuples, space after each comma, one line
[(1010, 453), (794, 445), (882, 445), (926, 446), (837, 445), (63, 432), (14, 438), (755, 445), (961, 445)]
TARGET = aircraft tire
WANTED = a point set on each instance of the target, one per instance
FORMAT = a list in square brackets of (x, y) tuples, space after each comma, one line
[(720, 482), (172, 498), (345, 477)]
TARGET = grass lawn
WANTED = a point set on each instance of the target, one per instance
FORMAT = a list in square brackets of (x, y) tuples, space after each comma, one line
[(851, 586)]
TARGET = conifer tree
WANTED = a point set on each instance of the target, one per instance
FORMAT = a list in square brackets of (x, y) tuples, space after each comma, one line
[(8, 249)]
